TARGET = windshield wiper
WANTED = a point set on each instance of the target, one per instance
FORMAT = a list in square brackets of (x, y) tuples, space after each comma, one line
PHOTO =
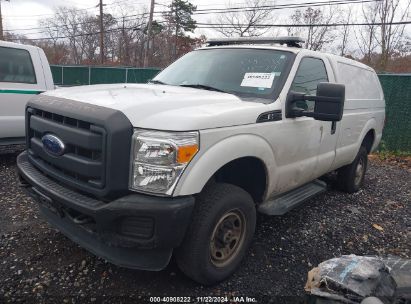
[(202, 86), (157, 82)]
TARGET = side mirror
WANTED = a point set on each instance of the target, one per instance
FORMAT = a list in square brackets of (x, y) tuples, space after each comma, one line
[(329, 103)]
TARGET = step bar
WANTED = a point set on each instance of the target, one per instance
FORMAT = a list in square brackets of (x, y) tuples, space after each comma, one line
[(283, 203)]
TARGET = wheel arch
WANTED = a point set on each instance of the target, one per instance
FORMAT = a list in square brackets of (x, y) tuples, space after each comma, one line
[(248, 173), (368, 136), (227, 156), (369, 140)]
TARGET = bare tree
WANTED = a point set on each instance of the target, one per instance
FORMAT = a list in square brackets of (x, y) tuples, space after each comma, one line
[(245, 22), (316, 36), (366, 35), (69, 23), (129, 38), (56, 52), (72, 37), (380, 43), (78, 31), (344, 31), (391, 36)]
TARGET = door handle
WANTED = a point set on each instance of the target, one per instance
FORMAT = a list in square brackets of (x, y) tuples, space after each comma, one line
[(333, 127)]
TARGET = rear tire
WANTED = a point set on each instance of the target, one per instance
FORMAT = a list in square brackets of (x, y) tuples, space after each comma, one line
[(351, 177), (219, 235)]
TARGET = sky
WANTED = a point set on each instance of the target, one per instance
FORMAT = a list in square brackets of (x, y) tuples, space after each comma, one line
[(22, 16), (25, 14)]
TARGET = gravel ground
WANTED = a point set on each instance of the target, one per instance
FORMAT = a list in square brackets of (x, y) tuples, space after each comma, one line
[(38, 264)]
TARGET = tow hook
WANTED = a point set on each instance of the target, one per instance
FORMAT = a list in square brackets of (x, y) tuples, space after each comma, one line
[(23, 183)]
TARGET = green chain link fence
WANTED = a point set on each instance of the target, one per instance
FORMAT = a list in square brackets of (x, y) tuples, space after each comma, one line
[(84, 75), (397, 91), (397, 131)]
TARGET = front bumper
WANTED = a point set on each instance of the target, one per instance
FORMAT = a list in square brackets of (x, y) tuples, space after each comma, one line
[(134, 231)]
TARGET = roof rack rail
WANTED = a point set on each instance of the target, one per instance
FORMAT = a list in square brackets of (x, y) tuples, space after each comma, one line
[(287, 40)]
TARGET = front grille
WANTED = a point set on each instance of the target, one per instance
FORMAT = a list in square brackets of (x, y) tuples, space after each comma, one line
[(97, 143), (82, 163)]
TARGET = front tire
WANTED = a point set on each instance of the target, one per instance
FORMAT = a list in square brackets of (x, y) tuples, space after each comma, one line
[(219, 235), (351, 177)]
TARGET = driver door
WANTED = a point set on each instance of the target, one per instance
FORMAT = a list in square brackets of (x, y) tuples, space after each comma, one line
[(310, 148)]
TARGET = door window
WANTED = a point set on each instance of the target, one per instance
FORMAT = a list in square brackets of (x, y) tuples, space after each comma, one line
[(16, 66), (310, 73)]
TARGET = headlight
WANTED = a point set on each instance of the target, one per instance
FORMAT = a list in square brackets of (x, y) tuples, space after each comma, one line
[(159, 158)]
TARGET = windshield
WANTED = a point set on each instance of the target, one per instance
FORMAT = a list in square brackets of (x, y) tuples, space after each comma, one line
[(245, 72)]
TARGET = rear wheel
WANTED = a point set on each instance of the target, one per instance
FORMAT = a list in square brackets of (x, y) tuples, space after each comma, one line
[(221, 230), (351, 177)]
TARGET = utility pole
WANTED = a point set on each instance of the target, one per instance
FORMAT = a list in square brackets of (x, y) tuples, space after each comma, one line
[(1, 23), (176, 37), (149, 29), (101, 33), (122, 43)]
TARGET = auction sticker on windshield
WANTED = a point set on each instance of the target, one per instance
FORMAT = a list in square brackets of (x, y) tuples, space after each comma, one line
[(258, 80)]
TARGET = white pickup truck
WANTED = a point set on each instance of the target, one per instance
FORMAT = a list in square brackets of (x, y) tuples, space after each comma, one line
[(137, 172), (24, 72)]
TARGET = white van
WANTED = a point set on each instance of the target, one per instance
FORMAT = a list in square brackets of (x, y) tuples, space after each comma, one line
[(137, 172), (24, 72)]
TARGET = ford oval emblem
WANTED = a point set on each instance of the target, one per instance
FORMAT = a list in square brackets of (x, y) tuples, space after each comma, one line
[(53, 145)]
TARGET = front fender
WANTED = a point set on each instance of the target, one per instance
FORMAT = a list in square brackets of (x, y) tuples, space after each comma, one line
[(206, 163)]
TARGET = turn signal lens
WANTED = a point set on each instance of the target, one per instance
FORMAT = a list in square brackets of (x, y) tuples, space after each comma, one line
[(186, 153)]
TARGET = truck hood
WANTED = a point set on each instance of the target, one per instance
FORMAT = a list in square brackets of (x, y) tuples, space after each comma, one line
[(166, 107)]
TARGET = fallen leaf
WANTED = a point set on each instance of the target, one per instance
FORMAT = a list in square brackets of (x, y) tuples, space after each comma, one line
[(378, 227)]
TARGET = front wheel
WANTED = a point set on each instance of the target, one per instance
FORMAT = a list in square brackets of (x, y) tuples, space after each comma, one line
[(220, 232), (351, 177)]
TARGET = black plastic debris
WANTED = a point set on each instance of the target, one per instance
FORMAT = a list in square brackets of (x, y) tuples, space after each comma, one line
[(352, 278)]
